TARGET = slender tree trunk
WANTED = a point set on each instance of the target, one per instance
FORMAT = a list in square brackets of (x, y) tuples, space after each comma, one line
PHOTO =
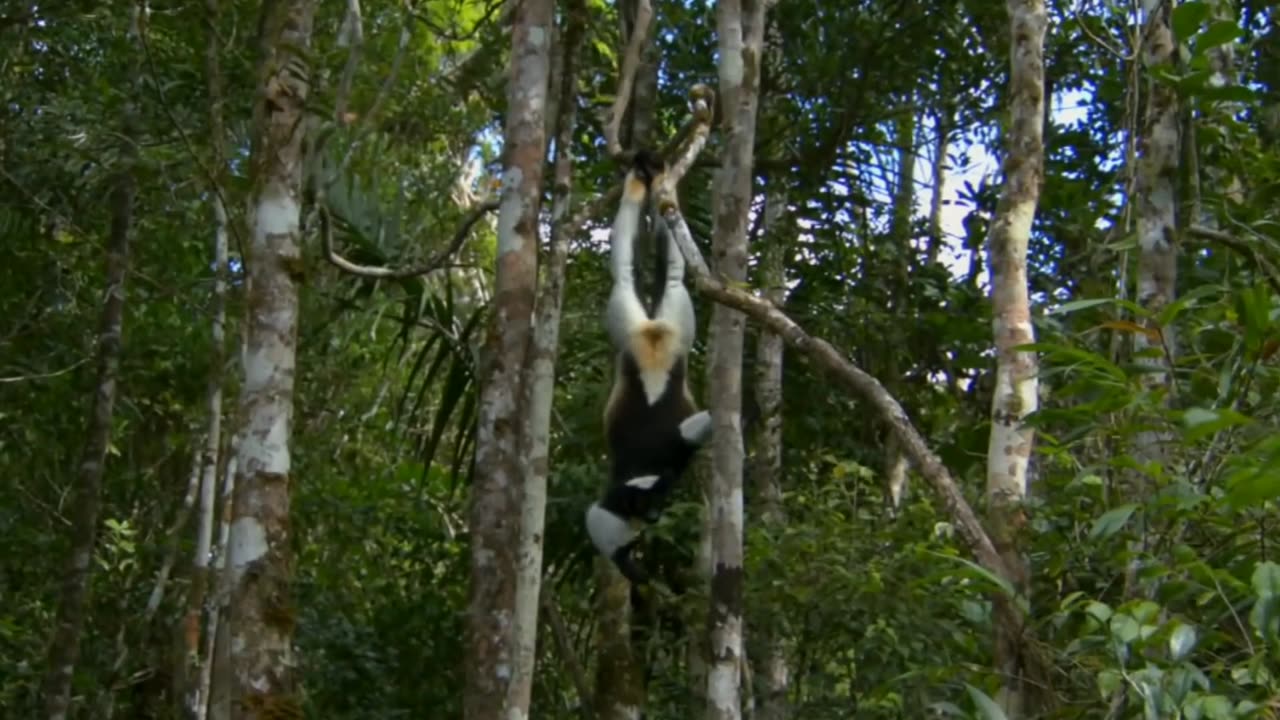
[(766, 467), (541, 374), (496, 492), (1154, 198), (214, 689), (86, 503), (942, 127), (904, 200), (1155, 184), (200, 573), (260, 556), (740, 26), (1016, 388)]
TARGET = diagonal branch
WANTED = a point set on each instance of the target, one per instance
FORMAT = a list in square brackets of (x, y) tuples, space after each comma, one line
[(1241, 247), (436, 261), (826, 356), (630, 63)]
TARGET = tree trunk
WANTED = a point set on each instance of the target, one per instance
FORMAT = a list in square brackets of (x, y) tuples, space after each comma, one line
[(904, 200), (214, 687), (1016, 388), (1155, 200), (541, 375), (86, 503), (766, 467), (495, 512), (740, 26), (942, 130), (200, 574), (265, 683)]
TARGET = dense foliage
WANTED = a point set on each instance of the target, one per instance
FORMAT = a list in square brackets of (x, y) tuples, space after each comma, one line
[(885, 614)]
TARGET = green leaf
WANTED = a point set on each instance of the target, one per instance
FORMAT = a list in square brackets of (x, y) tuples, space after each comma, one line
[(1218, 33), (987, 707), (1182, 642), (1266, 580), (1188, 17), (1075, 305), (1125, 629), (1253, 487), (1112, 521), (1202, 422)]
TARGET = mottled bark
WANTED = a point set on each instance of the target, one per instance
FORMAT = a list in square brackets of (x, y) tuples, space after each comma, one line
[(942, 134), (772, 669), (260, 561), (200, 573), (86, 501), (1016, 386), (900, 231), (214, 688), (1154, 193), (495, 512), (539, 381), (740, 29)]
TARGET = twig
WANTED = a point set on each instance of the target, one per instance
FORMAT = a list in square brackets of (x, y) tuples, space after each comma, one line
[(1222, 238), (630, 63), (565, 645), (46, 375), (436, 261), (350, 35)]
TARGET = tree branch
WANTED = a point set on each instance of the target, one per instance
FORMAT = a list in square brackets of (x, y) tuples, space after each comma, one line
[(630, 63), (436, 262), (824, 355), (1241, 247)]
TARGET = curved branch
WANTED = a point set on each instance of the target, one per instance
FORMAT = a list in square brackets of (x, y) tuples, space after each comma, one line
[(627, 78), (824, 355), (436, 261)]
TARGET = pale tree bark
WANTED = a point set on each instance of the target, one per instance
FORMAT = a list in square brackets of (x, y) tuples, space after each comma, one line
[(260, 563), (539, 381), (495, 512), (1017, 385), (772, 669), (213, 691), (895, 463), (619, 681), (740, 29), (86, 502), (1154, 197), (942, 137), (1155, 190), (200, 573)]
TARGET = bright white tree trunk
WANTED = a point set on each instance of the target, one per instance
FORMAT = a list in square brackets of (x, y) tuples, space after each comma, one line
[(540, 380), (495, 513), (1017, 386), (740, 26), (259, 555)]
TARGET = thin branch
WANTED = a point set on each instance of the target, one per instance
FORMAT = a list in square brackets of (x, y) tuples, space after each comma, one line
[(570, 657), (627, 78), (436, 262), (46, 375), (350, 35), (1228, 240)]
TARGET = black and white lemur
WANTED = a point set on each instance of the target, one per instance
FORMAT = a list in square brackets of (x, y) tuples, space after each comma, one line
[(652, 426)]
